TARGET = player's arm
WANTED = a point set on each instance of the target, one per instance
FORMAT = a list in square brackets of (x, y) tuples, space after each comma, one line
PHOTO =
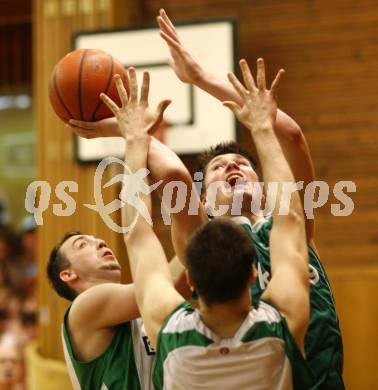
[(288, 289), (288, 132), (177, 271), (154, 288), (162, 162), (109, 304), (164, 165), (104, 306)]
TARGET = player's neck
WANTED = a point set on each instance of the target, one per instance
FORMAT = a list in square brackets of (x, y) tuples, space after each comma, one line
[(225, 319)]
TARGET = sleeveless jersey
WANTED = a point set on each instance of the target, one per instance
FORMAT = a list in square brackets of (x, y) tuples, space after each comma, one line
[(261, 355), (323, 343), (125, 365)]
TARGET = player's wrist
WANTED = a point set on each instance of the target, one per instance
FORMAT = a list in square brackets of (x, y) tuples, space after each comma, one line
[(259, 127), (198, 76), (138, 137)]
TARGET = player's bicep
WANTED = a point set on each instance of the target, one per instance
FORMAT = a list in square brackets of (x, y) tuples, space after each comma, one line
[(289, 293), (297, 154), (158, 303), (154, 287), (105, 305), (187, 220)]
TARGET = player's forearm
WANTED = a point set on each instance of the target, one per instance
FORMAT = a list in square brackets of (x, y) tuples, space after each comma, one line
[(142, 238), (135, 158), (216, 86), (147, 261), (297, 154), (136, 152), (286, 128), (294, 147), (177, 271), (275, 167), (165, 165)]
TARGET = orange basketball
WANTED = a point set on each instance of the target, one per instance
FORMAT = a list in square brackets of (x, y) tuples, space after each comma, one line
[(77, 81)]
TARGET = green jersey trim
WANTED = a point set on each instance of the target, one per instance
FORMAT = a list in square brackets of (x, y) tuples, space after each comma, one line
[(183, 330), (323, 343), (104, 371)]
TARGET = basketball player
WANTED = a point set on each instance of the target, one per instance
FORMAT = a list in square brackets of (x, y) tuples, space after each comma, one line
[(226, 162), (224, 344), (323, 342), (104, 342)]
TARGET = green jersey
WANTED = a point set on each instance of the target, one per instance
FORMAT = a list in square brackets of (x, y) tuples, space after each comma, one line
[(262, 354), (125, 365), (323, 344)]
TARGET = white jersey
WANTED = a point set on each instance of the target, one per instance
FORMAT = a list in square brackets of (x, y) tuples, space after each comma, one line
[(260, 355)]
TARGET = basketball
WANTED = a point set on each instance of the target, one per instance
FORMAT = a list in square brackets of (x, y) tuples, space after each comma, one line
[(77, 81)]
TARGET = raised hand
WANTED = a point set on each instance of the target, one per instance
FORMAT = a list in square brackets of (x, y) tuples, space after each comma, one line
[(134, 117), (181, 61), (259, 108)]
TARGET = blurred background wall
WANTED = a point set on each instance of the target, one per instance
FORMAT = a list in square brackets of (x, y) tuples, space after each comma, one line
[(330, 53)]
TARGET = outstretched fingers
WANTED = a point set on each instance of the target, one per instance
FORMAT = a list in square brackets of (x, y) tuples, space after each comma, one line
[(166, 24), (237, 85), (145, 89), (121, 90), (234, 107), (162, 106), (133, 85), (247, 75), (261, 80), (172, 44), (276, 82), (110, 104)]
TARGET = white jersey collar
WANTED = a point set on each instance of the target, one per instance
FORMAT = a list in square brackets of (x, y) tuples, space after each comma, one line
[(242, 220)]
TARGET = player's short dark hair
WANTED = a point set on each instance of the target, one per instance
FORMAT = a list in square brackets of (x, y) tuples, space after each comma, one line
[(220, 256), (57, 263), (218, 150)]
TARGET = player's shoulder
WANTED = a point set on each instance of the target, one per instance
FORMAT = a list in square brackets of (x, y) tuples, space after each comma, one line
[(182, 318), (261, 224), (266, 312)]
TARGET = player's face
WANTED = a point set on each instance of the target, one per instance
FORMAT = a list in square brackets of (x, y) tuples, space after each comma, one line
[(10, 366), (227, 175), (91, 259)]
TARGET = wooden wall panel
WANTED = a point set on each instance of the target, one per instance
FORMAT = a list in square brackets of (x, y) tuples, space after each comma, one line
[(54, 23), (355, 287)]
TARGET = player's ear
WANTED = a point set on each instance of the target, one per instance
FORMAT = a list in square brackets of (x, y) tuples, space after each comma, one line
[(263, 201), (208, 210), (67, 275), (252, 276), (206, 205), (188, 278)]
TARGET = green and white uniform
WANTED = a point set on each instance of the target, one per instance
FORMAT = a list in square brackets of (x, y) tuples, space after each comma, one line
[(261, 355), (323, 343), (125, 365)]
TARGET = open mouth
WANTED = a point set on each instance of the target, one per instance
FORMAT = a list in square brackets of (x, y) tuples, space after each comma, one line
[(235, 179), (108, 254)]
